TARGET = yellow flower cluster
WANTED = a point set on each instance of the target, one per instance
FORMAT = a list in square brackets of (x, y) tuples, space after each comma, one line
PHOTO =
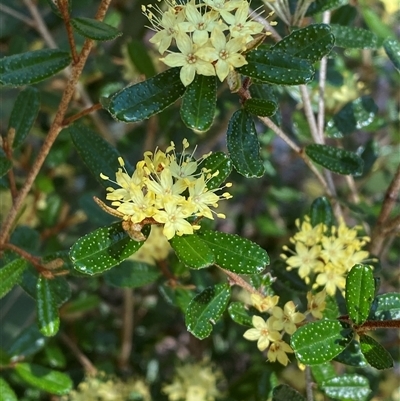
[(211, 35), (324, 256), (165, 189)]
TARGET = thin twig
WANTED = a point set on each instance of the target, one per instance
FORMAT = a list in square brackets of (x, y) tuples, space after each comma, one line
[(7, 143), (309, 385), (17, 15), (267, 26), (63, 7), (127, 329), (235, 279), (305, 96), (81, 114)]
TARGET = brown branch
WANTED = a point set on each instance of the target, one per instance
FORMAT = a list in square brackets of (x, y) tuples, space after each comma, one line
[(235, 279), (7, 147), (81, 114), (63, 7)]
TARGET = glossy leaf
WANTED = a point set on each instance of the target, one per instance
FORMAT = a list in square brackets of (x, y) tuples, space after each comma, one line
[(132, 274), (369, 153), (240, 314), (277, 68), (28, 342), (243, 145), (320, 341), (392, 49), (94, 29), (347, 387), (46, 379), (260, 107), (353, 116), (386, 307), (192, 251), (217, 161), (337, 160), (318, 6), (6, 392), (5, 163), (24, 113), (102, 249), (235, 253), (46, 308), (206, 308), (311, 43), (199, 103), (321, 212), (139, 55), (352, 355), (354, 38), (31, 67), (323, 372), (376, 355), (360, 290), (284, 392), (10, 275), (98, 155), (141, 101)]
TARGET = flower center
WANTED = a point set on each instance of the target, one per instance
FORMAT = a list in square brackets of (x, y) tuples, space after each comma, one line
[(223, 54), (191, 58)]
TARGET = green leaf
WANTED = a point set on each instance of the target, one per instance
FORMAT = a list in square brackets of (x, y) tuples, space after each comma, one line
[(10, 275), (217, 161), (369, 153), (98, 155), (141, 101), (55, 356), (102, 249), (240, 314), (6, 392), (347, 387), (311, 43), (392, 49), (139, 55), (206, 308), (320, 341), (353, 116), (5, 359), (192, 251), (46, 308), (235, 253), (352, 355), (319, 6), (31, 67), (375, 24), (321, 212), (199, 103), (94, 29), (46, 379), (337, 160), (323, 372), (376, 355), (5, 163), (354, 38), (243, 145), (283, 392), (28, 342), (386, 307), (132, 274), (260, 107), (24, 113), (277, 68), (360, 291)]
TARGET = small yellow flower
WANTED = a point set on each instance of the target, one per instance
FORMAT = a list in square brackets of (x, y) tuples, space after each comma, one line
[(262, 332), (316, 303), (286, 318), (308, 234), (264, 304), (331, 279), (278, 351)]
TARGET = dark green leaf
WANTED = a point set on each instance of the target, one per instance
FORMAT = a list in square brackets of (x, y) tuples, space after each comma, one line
[(94, 29), (323, 372), (141, 101), (46, 308), (192, 251), (24, 113), (55, 356), (284, 392), (6, 392), (337, 160), (243, 145), (360, 290), (81, 306), (199, 103), (240, 314), (320, 341), (375, 354), (392, 49), (386, 307), (353, 116), (46, 379), (97, 153), (260, 107), (206, 308), (217, 161), (344, 15), (31, 67), (352, 355), (354, 38), (311, 43), (28, 342), (318, 6), (132, 274), (369, 153), (234, 253), (277, 68), (102, 249), (139, 55), (321, 212), (5, 163), (347, 387), (10, 275), (5, 358)]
